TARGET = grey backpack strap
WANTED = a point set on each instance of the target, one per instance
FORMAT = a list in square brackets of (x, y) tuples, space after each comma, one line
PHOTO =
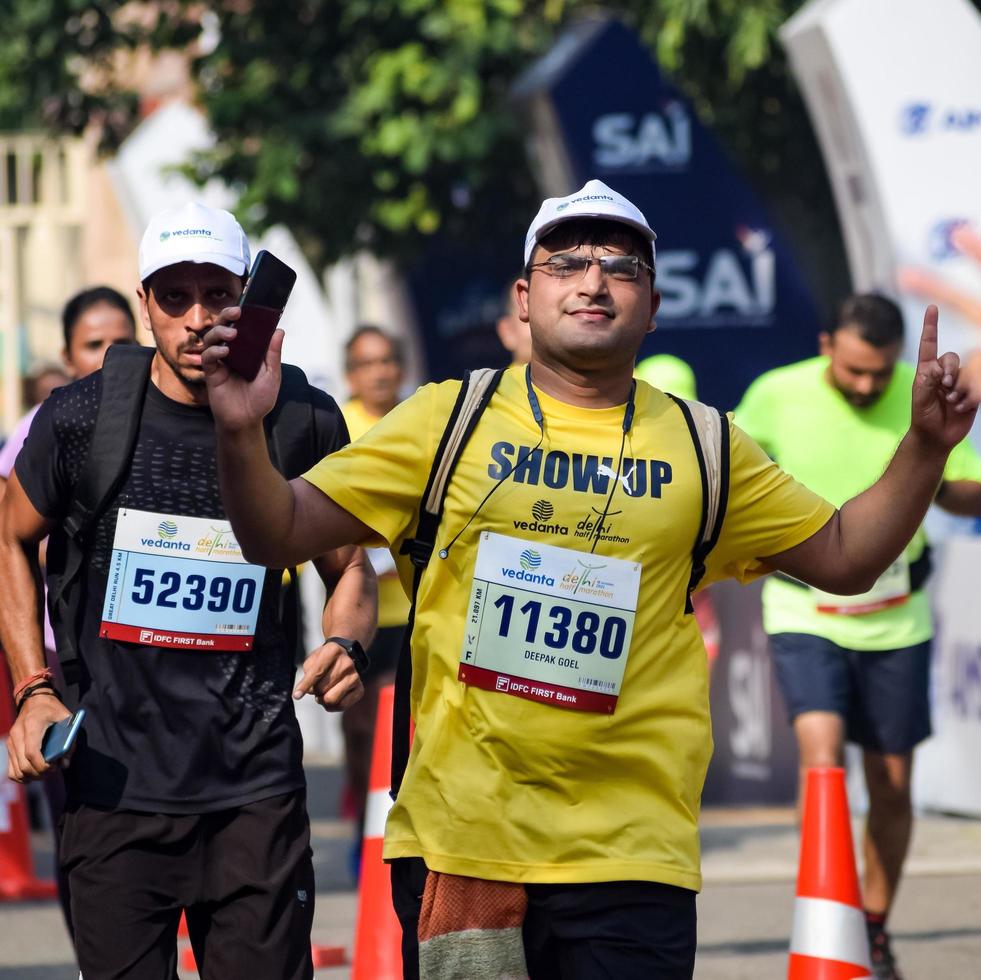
[(475, 392), (709, 430)]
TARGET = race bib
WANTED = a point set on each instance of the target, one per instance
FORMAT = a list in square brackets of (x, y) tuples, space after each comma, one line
[(549, 624), (180, 582), (891, 589)]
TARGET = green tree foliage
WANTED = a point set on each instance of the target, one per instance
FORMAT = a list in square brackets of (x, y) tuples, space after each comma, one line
[(379, 122)]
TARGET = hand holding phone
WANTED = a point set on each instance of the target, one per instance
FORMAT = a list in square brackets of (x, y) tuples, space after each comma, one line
[(60, 737), (263, 301)]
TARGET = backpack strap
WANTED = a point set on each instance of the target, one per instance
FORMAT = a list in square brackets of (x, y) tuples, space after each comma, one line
[(125, 375), (709, 430), (291, 425), (475, 393), (291, 435)]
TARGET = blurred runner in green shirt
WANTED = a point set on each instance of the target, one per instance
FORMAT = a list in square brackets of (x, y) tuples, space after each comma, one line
[(669, 373), (856, 667)]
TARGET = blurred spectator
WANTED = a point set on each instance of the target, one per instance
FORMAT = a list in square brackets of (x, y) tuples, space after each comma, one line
[(42, 381), (513, 332), (374, 367), (92, 321)]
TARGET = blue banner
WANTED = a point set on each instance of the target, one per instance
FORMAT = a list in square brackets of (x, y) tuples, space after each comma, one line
[(733, 300)]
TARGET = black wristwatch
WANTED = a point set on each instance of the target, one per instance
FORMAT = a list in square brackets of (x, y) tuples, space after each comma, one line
[(355, 651)]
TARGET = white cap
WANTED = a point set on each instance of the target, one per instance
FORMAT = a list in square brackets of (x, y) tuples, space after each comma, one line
[(194, 233), (594, 200)]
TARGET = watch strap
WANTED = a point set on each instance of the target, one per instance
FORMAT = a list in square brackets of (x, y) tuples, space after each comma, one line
[(354, 650)]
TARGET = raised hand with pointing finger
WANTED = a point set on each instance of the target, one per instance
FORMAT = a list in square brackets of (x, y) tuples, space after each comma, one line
[(943, 408)]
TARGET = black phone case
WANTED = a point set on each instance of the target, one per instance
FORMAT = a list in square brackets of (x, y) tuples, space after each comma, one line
[(270, 283), (255, 328)]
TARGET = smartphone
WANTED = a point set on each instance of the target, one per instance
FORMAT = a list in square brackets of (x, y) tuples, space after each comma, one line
[(263, 301), (60, 737)]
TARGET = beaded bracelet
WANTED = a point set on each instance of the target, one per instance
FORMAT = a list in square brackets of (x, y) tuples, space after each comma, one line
[(45, 674), (44, 687)]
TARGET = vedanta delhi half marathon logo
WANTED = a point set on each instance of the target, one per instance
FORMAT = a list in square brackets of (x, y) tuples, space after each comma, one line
[(530, 559), (167, 529)]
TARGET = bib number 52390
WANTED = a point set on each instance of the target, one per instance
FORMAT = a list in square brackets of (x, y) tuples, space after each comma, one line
[(192, 592)]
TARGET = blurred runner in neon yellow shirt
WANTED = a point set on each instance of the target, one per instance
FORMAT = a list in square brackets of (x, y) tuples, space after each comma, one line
[(669, 373), (856, 668), (373, 364)]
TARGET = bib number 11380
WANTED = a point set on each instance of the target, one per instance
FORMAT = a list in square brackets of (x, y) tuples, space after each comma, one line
[(549, 624), (588, 632)]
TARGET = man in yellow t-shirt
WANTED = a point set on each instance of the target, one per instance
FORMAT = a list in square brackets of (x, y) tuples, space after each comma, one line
[(374, 370), (559, 688), (856, 667)]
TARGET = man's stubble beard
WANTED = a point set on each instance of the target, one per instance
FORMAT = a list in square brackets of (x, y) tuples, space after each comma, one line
[(192, 381)]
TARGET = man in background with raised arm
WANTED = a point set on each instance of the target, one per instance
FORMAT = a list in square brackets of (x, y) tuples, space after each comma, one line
[(856, 668)]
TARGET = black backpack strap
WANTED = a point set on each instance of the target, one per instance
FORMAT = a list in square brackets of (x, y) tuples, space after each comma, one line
[(291, 435), (709, 430), (476, 391), (291, 425), (125, 375)]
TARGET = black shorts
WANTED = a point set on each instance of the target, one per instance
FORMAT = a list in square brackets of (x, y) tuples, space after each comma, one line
[(244, 875), (627, 930), (883, 696)]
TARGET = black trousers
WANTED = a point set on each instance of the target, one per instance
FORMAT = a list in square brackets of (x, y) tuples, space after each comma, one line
[(621, 930), (244, 876)]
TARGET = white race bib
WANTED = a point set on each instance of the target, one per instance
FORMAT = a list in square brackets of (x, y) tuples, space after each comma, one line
[(549, 624), (180, 582), (891, 589)]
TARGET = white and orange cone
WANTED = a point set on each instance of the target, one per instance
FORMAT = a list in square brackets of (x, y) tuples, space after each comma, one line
[(830, 940)]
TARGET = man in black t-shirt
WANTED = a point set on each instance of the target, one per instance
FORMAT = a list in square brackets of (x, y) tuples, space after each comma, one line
[(186, 789)]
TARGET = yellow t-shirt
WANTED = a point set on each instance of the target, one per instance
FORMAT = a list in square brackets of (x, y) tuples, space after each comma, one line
[(393, 603), (503, 788), (359, 420)]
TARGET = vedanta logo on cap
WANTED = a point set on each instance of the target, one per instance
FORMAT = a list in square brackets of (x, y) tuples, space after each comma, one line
[(190, 233), (584, 198), (593, 200), (197, 233)]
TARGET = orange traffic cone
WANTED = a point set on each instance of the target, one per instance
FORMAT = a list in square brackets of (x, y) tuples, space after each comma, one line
[(322, 956), (17, 879), (829, 941), (378, 938)]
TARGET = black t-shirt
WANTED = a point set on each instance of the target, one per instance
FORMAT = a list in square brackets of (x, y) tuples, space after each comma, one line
[(166, 730)]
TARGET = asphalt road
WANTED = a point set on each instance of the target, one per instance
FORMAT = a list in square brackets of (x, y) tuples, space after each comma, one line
[(745, 908)]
